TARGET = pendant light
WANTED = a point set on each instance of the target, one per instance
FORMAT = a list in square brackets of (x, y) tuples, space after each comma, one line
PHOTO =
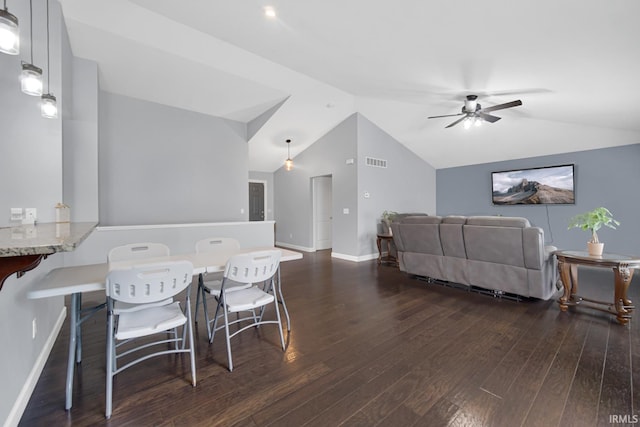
[(31, 76), (9, 32), (48, 105), (288, 164)]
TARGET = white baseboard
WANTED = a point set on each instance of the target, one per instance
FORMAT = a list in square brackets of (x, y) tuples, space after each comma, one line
[(30, 384), (338, 255), (360, 258), (295, 247)]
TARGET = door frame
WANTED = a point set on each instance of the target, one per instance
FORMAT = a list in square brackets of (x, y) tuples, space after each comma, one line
[(313, 209), (266, 203)]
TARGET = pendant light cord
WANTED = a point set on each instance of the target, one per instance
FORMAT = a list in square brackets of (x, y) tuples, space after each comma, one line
[(48, 67), (30, 29)]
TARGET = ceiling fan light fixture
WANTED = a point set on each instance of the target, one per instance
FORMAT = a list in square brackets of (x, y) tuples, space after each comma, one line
[(9, 32)]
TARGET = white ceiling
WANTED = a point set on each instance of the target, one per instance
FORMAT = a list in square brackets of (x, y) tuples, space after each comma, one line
[(575, 64)]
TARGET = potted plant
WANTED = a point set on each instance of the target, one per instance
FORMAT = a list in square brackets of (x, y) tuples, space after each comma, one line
[(387, 219), (593, 221)]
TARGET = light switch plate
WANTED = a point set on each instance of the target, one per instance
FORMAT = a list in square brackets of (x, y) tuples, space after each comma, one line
[(30, 216), (16, 214)]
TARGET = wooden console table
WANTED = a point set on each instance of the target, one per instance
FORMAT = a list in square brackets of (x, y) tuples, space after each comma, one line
[(622, 266), (390, 259)]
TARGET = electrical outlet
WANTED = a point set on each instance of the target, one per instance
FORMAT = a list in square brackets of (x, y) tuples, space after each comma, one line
[(34, 328)]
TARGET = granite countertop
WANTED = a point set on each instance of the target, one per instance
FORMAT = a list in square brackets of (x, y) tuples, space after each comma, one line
[(43, 238)]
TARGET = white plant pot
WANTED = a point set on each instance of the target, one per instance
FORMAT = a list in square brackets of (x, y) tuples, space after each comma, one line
[(595, 249)]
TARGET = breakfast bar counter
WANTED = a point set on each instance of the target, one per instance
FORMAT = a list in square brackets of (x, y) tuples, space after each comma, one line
[(23, 247)]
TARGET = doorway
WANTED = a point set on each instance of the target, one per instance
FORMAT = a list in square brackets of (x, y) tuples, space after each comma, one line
[(322, 212), (257, 200)]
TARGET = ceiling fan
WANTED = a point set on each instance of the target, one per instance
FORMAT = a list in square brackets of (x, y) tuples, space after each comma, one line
[(473, 113)]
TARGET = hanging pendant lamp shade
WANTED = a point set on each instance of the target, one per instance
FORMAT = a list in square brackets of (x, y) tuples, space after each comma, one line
[(288, 164), (48, 104), (31, 76), (31, 79), (9, 32)]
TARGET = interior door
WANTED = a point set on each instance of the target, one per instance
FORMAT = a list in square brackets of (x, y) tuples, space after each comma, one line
[(256, 201), (322, 212)]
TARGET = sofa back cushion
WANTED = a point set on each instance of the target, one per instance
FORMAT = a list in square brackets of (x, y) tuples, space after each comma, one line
[(496, 244), (418, 234), (452, 237)]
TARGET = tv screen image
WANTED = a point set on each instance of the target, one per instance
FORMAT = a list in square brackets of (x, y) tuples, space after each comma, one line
[(544, 185)]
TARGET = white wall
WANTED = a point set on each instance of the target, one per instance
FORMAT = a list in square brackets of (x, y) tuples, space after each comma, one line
[(31, 176), (160, 164), (406, 185)]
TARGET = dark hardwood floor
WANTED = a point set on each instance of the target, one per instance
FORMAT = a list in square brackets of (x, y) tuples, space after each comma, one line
[(373, 346)]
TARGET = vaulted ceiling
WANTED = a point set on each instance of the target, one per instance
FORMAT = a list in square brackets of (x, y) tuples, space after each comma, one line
[(575, 64)]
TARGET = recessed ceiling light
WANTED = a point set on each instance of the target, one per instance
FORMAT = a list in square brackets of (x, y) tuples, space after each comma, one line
[(269, 12)]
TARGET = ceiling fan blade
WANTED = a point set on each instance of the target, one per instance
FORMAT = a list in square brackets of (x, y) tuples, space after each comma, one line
[(488, 117), (456, 122), (446, 115), (502, 106)]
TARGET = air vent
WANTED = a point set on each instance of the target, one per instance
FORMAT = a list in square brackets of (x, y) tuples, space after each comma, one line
[(376, 163)]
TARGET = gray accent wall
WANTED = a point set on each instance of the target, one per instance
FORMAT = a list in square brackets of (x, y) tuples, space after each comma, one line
[(406, 185), (606, 177), (164, 165)]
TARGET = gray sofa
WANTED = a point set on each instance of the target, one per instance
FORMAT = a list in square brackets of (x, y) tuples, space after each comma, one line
[(504, 254)]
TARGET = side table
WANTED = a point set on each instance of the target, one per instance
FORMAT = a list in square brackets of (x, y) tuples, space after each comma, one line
[(622, 266), (388, 259)]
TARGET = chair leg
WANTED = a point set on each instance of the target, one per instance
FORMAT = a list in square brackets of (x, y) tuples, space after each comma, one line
[(200, 281), (110, 363), (205, 308), (226, 330), (192, 353), (212, 331), (275, 303)]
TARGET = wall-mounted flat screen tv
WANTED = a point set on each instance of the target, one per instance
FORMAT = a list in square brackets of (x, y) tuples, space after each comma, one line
[(545, 185)]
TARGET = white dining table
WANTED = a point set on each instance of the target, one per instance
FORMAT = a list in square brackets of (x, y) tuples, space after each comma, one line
[(78, 280)]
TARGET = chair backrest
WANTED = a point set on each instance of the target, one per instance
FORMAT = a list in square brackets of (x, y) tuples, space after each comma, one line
[(217, 244), (146, 283), (252, 267), (136, 251)]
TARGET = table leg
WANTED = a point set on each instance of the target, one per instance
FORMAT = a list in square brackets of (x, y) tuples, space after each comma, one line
[(568, 272), (284, 305), (623, 277), (73, 324), (379, 244)]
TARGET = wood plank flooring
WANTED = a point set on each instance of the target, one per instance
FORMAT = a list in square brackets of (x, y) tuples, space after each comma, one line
[(372, 346)]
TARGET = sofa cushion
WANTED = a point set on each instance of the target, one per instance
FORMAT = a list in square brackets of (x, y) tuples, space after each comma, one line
[(451, 236), (499, 221), (420, 219), (418, 234), (501, 245)]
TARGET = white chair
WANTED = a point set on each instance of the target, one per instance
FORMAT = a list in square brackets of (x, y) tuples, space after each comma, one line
[(251, 269), (146, 284), (211, 283), (136, 252)]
